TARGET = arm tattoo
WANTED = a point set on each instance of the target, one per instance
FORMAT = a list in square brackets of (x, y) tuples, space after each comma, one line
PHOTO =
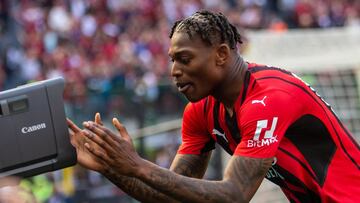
[(242, 178), (137, 189), (191, 165), (249, 172), (188, 165)]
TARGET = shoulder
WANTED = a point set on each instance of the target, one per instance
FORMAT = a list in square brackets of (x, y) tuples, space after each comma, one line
[(261, 68), (270, 103)]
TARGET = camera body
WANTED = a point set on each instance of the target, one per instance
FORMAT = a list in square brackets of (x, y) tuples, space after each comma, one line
[(34, 134)]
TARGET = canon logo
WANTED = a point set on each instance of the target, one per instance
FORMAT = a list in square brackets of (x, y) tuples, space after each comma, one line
[(33, 128)]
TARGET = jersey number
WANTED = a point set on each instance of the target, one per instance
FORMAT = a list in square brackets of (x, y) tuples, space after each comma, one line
[(263, 124)]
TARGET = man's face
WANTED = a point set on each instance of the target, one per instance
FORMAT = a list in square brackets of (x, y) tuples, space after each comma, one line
[(194, 69)]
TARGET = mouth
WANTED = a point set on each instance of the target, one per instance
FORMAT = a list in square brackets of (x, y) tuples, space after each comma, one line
[(183, 87)]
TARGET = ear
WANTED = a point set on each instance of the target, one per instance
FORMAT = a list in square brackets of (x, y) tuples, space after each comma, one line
[(222, 54)]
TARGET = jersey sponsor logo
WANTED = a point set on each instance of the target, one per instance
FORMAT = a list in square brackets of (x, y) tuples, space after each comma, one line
[(259, 101), (268, 138), (218, 133), (261, 143)]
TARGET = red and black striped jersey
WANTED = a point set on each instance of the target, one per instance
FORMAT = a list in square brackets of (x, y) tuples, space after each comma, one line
[(278, 115)]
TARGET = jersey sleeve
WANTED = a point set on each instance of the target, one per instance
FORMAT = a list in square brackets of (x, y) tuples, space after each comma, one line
[(263, 124), (195, 138)]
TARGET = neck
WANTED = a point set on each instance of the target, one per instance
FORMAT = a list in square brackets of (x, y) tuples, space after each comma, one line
[(230, 89)]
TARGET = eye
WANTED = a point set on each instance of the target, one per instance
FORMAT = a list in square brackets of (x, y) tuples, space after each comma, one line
[(184, 60)]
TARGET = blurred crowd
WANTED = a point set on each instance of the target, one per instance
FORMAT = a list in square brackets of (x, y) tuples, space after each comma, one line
[(113, 53)]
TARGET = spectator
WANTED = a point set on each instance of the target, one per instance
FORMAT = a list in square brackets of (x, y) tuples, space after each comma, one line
[(104, 47)]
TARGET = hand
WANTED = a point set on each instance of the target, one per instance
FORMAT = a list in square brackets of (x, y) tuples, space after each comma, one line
[(78, 140), (117, 151)]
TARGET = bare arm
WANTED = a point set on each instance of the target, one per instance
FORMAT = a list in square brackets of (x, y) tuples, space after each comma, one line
[(137, 189), (191, 165), (242, 178), (131, 186), (187, 165)]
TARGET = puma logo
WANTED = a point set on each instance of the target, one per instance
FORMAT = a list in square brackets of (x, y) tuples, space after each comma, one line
[(216, 132), (259, 101)]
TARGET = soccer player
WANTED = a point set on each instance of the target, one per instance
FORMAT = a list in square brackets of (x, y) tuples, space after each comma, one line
[(272, 123)]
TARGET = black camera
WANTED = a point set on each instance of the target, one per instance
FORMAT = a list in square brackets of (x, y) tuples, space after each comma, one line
[(34, 134)]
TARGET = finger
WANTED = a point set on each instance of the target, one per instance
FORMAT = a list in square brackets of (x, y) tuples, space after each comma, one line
[(98, 119), (101, 155), (100, 138), (100, 130), (93, 138), (71, 133), (73, 126), (121, 128), (111, 136), (72, 139)]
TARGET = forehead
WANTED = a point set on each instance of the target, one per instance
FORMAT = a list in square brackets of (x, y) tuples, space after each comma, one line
[(181, 41)]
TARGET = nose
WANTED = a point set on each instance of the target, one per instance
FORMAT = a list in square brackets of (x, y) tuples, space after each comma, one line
[(175, 70)]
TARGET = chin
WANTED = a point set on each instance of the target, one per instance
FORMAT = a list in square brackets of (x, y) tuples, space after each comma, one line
[(193, 98)]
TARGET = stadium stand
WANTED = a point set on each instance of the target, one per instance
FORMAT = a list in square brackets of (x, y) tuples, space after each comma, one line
[(113, 55)]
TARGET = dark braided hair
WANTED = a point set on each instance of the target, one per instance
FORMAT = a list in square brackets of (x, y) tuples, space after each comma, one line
[(211, 27)]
